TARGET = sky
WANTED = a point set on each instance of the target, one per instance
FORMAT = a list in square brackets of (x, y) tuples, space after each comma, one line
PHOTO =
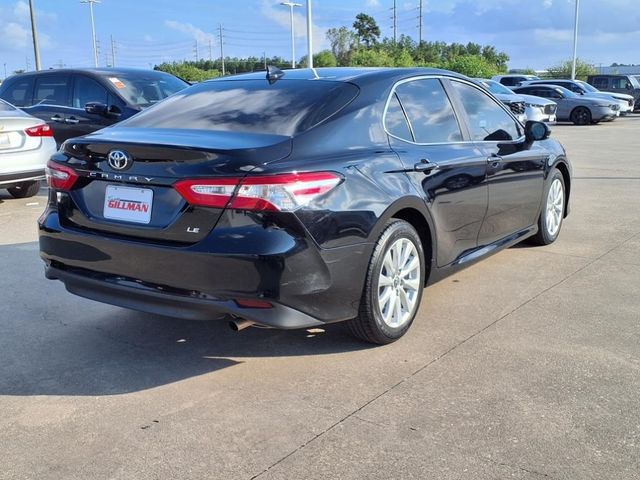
[(534, 33)]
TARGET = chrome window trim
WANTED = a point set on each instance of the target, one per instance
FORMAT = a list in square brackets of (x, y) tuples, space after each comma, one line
[(451, 78)]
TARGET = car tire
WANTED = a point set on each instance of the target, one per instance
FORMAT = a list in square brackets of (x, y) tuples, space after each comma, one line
[(393, 286), (581, 116), (552, 212), (25, 189)]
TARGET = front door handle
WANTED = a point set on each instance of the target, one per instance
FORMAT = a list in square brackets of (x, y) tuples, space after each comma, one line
[(71, 120), (57, 118), (425, 166)]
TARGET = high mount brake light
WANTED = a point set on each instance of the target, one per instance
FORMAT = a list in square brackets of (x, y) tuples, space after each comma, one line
[(43, 130), (284, 192), (60, 176)]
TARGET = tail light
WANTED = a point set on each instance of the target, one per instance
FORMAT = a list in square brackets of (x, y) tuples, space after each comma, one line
[(285, 192), (60, 176), (43, 130)]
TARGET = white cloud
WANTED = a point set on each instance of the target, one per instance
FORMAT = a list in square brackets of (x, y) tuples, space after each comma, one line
[(373, 3), (15, 35), (191, 30), (282, 17)]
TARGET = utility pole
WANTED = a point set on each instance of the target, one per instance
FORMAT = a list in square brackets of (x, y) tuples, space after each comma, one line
[(420, 24), (210, 50), (113, 52), (221, 49), (27, 63), (34, 32), (195, 49), (5, 70), (264, 56), (575, 41), (395, 23), (291, 6), (93, 29), (309, 35)]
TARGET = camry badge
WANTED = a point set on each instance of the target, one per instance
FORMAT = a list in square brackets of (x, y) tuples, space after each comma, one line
[(119, 159)]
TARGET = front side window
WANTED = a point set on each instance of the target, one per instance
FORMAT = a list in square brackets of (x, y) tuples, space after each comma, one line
[(510, 81), (429, 111), (146, 89), (88, 90), (619, 83), (19, 93), (52, 90), (488, 121)]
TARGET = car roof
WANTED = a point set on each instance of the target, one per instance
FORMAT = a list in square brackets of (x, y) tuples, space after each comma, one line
[(538, 85), (104, 71), (346, 74)]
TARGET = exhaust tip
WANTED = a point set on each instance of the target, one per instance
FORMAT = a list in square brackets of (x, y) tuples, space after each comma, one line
[(237, 324)]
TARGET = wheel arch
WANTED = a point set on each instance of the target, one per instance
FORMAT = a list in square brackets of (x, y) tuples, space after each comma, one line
[(414, 211), (566, 176)]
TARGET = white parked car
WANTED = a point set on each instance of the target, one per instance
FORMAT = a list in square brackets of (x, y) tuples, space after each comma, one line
[(26, 144)]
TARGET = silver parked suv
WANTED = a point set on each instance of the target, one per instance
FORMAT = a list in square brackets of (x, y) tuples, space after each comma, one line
[(537, 109), (573, 107)]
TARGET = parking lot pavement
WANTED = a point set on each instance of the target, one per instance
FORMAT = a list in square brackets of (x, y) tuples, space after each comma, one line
[(526, 365)]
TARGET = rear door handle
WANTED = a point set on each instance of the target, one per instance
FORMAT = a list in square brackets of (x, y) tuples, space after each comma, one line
[(71, 120), (494, 160), (57, 118), (425, 166)]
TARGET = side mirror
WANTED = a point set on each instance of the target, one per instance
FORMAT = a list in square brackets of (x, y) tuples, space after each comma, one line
[(96, 108), (536, 131)]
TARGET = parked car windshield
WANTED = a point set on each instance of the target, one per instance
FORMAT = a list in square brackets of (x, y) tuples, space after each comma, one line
[(497, 88), (146, 88), (587, 87), (286, 107)]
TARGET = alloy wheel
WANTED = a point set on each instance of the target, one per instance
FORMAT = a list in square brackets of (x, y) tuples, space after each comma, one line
[(399, 283), (555, 207)]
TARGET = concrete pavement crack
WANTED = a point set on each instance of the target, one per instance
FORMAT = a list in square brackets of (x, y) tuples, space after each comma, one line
[(440, 357)]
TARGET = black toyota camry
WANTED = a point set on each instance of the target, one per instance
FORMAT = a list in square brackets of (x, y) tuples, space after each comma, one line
[(299, 198)]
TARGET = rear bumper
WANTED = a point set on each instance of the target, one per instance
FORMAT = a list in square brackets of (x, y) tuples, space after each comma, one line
[(306, 286)]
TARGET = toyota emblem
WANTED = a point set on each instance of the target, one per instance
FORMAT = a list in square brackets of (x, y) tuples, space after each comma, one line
[(119, 159)]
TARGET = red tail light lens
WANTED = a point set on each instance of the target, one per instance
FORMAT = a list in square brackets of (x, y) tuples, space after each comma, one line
[(60, 176), (285, 192), (43, 130)]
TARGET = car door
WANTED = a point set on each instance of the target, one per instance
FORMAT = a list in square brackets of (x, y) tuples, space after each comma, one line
[(515, 168), (51, 101), (86, 90), (447, 170)]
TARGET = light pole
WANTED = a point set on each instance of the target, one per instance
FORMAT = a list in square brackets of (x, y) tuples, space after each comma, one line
[(575, 41), (93, 29), (291, 6), (34, 32), (309, 34)]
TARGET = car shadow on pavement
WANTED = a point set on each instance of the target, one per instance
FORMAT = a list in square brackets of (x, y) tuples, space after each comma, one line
[(54, 343)]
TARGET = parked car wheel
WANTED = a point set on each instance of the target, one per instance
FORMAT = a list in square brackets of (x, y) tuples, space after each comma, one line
[(393, 287), (581, 116), (552, 214), (25, 189)]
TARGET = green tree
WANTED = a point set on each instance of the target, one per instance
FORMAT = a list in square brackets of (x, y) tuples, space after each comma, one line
[(563, 69), (367, 30), (187, 71), (472, 66), (343, 42), (371, 58), (325, 58)]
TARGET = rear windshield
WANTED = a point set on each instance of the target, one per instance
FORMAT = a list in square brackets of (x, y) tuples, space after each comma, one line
[(286, 107), (146, 88), (5, 107)]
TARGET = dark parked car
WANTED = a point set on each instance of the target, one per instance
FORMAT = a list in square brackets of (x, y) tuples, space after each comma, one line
[(628, 84), (75, 102), (307, 197), (573, 107)]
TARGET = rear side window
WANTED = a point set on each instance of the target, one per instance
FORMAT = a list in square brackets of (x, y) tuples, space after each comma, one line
[(395, 120), (88, 90), (510, 81), (488, 121), (52, 90), (601, 82), (19, 92), (286, 107), (429, 111), (619, 83)]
